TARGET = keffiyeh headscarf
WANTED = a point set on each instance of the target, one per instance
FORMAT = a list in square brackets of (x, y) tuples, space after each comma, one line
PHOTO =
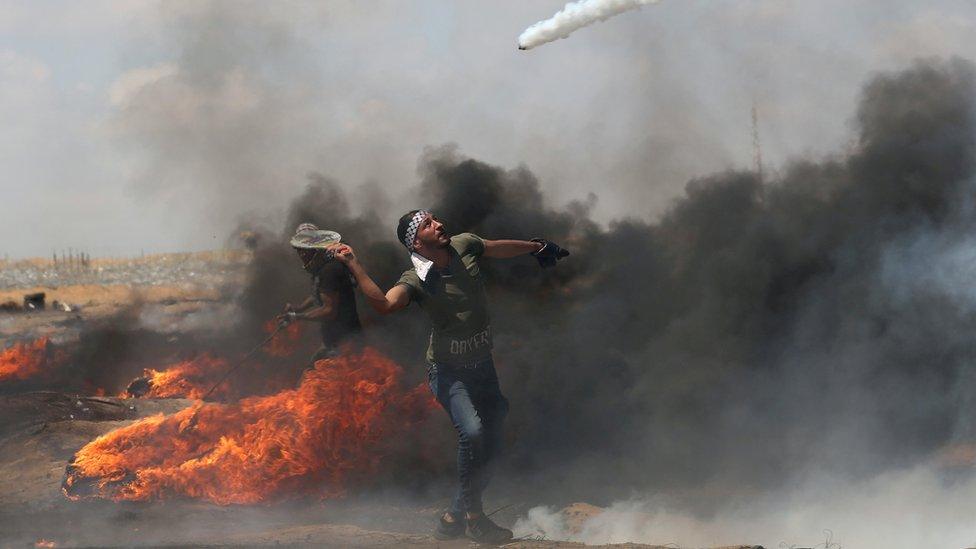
[(411, 233)]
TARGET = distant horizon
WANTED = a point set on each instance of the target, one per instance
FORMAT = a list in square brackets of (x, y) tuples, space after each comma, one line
[(137, 255)]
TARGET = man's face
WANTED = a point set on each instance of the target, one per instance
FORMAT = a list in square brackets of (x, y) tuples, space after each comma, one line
[(431, 233), (312, 260)]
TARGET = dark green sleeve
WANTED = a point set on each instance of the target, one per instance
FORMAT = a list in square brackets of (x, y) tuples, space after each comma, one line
[(412, 282), (468, 244)]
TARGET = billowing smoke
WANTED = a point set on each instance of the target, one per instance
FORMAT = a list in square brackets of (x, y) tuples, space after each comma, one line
[(574, 16), (756, 334), (824, 513), (756, 330)]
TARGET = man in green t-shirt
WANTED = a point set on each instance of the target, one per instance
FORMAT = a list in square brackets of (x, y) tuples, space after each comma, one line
[(446, 281)]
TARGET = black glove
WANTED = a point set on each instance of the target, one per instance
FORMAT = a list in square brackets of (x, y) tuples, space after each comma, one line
[(549, 253)]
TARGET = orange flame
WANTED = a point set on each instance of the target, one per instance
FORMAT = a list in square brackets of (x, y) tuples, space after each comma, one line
[(318, 438), (44, 543), (286, 342), (186, 379), (23, 360)]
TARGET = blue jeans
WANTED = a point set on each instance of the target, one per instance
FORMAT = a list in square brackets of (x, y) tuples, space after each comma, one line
[(471, 397)]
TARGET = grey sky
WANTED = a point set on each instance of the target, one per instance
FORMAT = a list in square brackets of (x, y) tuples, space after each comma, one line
[(142, 125)]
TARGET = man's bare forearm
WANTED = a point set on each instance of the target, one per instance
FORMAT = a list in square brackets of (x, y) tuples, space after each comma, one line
[(387, 303), (318, 313), (375, 296), (309, 301)]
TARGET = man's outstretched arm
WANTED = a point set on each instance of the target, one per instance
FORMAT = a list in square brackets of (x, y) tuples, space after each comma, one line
[(510, 248), (547, 253), (384, 303)]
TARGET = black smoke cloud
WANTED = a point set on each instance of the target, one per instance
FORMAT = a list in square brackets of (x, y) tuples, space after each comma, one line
[(821, 319), (818, 320)]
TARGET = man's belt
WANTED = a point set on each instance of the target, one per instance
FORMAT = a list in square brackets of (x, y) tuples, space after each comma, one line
[(463, 365)]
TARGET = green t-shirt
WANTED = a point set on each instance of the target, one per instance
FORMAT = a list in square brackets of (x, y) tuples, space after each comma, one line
[(456, 303)]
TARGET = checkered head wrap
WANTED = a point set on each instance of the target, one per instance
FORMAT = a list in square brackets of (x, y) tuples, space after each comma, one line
[(411, 234)]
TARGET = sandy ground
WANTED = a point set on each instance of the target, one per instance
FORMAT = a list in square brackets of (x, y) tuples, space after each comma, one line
[(40, 432), (35, 449), (166, 287), (94, 302)]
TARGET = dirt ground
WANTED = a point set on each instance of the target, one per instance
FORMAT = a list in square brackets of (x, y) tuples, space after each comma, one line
[(37, 445), (167, 287), (40, 431), (91, 302)]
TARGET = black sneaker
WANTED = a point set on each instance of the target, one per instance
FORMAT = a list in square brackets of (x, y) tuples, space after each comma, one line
[(449, 530), (483, 530)]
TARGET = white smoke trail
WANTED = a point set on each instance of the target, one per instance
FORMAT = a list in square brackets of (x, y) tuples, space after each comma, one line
[(573, 16)]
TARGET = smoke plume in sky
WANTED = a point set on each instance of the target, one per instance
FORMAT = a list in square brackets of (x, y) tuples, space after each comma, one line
[(713, 335), (758, 333), (159, 125)]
